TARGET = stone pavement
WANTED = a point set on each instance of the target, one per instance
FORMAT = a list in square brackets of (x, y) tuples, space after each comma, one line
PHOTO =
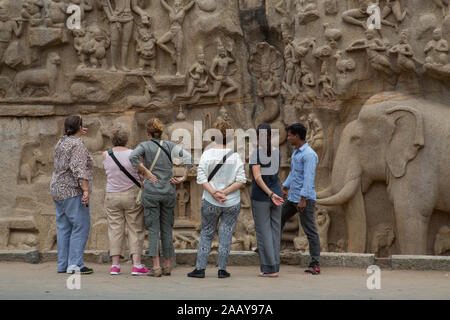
[(40, 281)]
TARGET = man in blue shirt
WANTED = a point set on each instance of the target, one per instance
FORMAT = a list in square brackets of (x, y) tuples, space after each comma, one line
[(300, 192)]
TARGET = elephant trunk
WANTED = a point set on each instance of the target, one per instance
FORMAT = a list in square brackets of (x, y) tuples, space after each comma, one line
[(342, 196)]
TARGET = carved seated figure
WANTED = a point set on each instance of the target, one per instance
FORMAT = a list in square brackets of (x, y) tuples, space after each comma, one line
[(437, 49), (306, 11), (56, 14), (32, 11)]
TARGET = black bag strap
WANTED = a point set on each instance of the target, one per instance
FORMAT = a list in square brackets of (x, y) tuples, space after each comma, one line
[(219, 165), (111, 154), (163, 149)]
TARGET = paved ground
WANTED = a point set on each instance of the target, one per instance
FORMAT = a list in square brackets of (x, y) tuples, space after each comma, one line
[(25, 281)]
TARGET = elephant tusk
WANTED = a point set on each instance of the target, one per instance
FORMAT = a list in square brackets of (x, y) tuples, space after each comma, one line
[(325, 193), (342, 196)]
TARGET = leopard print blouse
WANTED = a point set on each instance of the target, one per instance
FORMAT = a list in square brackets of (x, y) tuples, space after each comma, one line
[(72, 162)]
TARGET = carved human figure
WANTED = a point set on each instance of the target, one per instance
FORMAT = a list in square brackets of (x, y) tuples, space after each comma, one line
[(383, 237), (306, 11), (268, 90), (323, 224), (405, 54), (316, 135), (326, 84), (96, 46), (394, 6), (32, 11), (308, 84), (146, 48), (437, 49), (80, 40), (375, 49), (182, 201), (120, 18), (8, 28), (284, 8), (344, 65), (359, 15), (55, 14), (197, 79), (290, 61), (175, 33), (220, 73), (442, 4), (332, 35)]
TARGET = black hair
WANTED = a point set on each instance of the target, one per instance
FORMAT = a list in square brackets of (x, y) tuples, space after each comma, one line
[(72, 124), (297, 129), (265, 126)]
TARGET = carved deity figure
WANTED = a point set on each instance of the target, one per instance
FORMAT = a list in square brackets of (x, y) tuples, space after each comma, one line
[(175, 33), (306, 11), (326, 83), (359, 16), (405, 54), (442, 4), (8, 28), (96, 46), (56, 14), (120, 18), (375, 49), (146, 48), (182, 201), (32, 11), (290, 62), (197, 79), (220, 73), (308, 84), (437, 49)]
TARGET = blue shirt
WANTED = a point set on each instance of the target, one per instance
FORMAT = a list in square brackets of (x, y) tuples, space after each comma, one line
[(303, 171)]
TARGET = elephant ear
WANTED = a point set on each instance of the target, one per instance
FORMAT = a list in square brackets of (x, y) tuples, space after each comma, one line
[(407, 138)]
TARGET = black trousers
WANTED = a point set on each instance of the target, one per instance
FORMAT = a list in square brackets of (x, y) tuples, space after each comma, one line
[(308, 223)]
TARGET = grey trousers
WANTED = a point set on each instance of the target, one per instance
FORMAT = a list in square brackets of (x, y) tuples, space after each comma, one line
[(267, 218), (308, 223), (210, 217), (159, 217)]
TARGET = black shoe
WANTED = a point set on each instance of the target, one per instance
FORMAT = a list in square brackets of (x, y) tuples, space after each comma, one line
[(223, 274), (197, 273), (86, 270), (314, 270)]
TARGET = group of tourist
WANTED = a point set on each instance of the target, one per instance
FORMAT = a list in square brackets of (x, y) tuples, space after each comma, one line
[(141, 193)]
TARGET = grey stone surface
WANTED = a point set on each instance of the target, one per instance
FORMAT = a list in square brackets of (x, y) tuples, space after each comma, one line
[(29, 256), (417, 262)]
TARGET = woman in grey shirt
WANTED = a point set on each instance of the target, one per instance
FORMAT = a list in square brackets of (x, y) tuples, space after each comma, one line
[(159, 193)]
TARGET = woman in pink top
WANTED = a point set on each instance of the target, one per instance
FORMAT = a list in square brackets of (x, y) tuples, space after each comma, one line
[(121, 207)]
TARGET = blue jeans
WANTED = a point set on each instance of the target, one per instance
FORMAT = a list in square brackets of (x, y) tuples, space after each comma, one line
[(73, 223)]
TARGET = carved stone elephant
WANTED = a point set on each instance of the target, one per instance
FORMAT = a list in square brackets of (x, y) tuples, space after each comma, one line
[(404, 142)]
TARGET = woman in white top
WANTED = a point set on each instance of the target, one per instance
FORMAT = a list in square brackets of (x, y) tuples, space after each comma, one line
[(221, 199)]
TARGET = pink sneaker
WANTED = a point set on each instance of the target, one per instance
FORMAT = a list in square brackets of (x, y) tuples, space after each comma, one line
[(114, 270), (142, 271)]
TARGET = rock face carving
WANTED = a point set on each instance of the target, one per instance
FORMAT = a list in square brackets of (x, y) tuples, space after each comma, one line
[(279, 61), (442, 240), (383, 237), (397, 130)]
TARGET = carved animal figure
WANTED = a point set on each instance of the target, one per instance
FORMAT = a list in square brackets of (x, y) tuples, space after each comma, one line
[(28, 170), (44, 77), (344, 65), (383, 237), (404, 142), (442, 240)]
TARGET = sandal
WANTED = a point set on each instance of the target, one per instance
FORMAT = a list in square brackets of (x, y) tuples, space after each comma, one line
[(268, 275), (155, 272), (166, 271), (314, 270)]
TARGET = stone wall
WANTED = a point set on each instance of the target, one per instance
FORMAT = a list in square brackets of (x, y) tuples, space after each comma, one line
[(275, 61)]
